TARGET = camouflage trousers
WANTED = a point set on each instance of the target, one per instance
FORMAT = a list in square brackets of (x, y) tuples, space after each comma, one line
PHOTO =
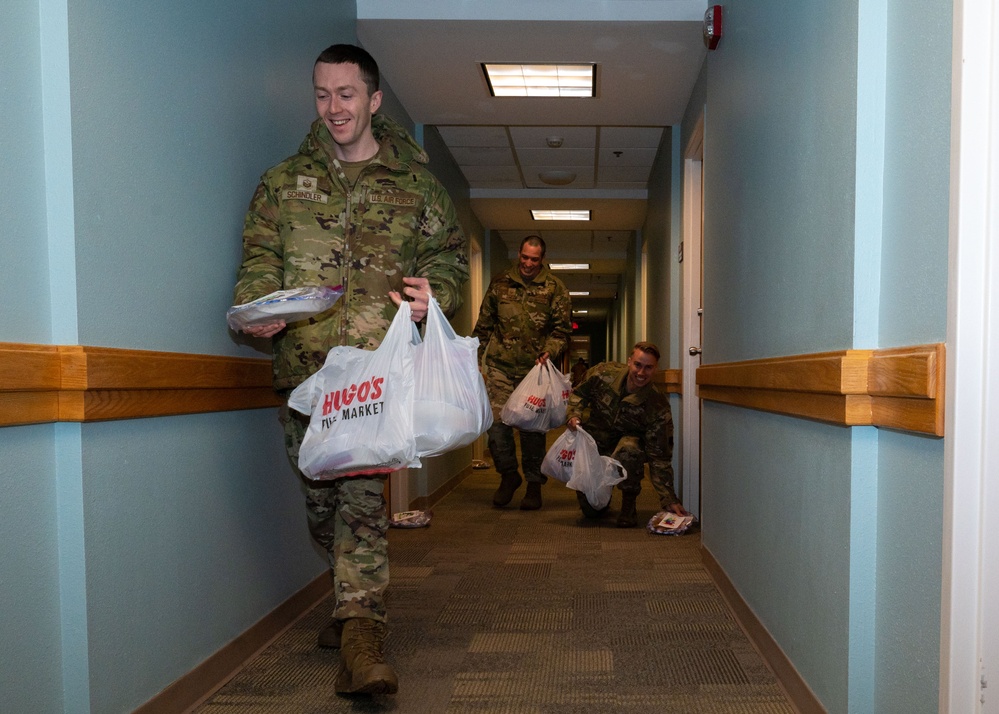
[(500, 386), (347, 517), (504, 452), (628, 450)]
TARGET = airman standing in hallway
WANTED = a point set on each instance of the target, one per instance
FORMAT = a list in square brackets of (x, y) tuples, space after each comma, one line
[(629, 418), (355, 207), (524, 320)]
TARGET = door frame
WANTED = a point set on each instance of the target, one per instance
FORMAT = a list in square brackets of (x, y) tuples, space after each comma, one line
[(969, 642), (693, 220)]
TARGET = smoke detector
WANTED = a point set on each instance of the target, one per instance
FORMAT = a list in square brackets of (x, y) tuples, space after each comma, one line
[(554, 142)]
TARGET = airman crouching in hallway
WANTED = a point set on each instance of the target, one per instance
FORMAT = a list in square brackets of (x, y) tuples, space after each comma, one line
[(629, 418)]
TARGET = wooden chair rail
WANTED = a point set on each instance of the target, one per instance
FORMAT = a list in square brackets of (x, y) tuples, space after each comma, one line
[(900, 388), (48, 383)]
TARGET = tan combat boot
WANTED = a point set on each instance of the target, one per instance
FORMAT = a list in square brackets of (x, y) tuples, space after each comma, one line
[(363, 669)]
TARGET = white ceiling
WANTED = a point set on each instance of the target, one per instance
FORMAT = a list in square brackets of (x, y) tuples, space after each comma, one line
[(648, 54)]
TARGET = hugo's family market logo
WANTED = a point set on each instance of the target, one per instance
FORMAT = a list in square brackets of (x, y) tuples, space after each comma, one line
[(354, 401)]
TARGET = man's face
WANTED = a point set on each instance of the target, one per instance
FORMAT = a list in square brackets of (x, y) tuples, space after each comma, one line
[(641, 367), (343, 103), (530, 261)]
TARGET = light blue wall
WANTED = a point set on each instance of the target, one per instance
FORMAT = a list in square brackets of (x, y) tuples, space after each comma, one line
[(30, 639), (30, 677), (913, 311), (133, 550), (826, 190), (189, 541), (177, 110), (778, 162), (24, 281)]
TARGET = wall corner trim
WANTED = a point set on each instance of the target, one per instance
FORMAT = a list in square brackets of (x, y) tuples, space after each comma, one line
[(900, 388), (50, 383)]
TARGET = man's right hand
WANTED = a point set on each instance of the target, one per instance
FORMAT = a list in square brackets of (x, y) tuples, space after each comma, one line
[(268, 330), (573, 423)]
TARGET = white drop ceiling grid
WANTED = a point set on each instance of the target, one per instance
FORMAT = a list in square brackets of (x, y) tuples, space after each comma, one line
[(648, 54)]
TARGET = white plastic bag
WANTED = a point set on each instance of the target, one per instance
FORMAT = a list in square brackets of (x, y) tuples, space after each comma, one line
[(592, 474), (451, 406), (560, 458), (361, 406), (539, 402)]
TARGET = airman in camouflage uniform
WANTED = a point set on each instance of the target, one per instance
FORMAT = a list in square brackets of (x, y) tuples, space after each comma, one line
[(630, 419), (354, 207), (524, 320)]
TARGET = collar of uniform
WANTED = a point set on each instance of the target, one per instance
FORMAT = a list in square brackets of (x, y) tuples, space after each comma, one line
[(514, 273), (396, 148)]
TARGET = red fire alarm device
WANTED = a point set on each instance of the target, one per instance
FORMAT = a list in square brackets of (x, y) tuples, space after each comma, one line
[(712, 26)]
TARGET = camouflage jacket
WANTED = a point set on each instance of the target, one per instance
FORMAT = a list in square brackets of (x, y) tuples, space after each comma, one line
[(608, 413), (307, 227), (518, 321)]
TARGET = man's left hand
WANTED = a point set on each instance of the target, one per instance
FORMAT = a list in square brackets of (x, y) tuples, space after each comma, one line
[(418, 289), (678, 509)]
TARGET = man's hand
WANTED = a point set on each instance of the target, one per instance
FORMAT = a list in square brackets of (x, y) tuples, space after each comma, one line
[(573, 423), (419, 290), (678, 509), (542, 358), (268, 330)]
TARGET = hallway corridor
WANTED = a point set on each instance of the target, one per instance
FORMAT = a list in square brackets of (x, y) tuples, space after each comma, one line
[(519, 612)]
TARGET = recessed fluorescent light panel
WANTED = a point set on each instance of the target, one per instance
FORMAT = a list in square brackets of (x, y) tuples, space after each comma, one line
[(580, 312), (560, 215), (568, 266), (541, 80), (579, 293)]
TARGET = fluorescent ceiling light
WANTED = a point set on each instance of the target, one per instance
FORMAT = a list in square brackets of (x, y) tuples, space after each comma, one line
[(580, 293), (568, 266), (539, 215), (540, 80), (580, 312)]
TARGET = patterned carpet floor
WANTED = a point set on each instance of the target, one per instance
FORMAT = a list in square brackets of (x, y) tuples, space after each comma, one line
[(503, 611)]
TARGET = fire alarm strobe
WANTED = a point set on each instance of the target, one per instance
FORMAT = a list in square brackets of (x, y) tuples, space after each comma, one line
[(712, 26)]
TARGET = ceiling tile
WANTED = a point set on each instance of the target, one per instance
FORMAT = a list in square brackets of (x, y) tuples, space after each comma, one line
[(625, 174), (628, 157), (556, 157), (474, 135), (617, 137), (573, 137), (483, 155)]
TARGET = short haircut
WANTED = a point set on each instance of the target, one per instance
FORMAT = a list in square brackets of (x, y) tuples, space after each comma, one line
[(536, 241), (647, 348), (351, 54)]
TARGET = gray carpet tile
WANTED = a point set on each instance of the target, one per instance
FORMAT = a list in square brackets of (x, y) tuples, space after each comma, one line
[(503, 611)]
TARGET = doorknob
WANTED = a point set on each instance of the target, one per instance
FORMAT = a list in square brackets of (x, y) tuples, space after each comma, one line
[(693, 351)]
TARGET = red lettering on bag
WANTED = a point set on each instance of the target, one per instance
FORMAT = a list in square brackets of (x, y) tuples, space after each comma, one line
[(328, 404), (567, 454), (536, 400), (376, 387), (363, 391)]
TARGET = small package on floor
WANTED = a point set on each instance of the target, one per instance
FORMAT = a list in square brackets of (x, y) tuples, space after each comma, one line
[(283, 305), (669, 523), (410, 519)]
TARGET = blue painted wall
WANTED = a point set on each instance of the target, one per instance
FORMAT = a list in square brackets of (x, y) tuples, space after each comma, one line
[(154, 124), (913, 311), (831, 535), (25, 282)]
